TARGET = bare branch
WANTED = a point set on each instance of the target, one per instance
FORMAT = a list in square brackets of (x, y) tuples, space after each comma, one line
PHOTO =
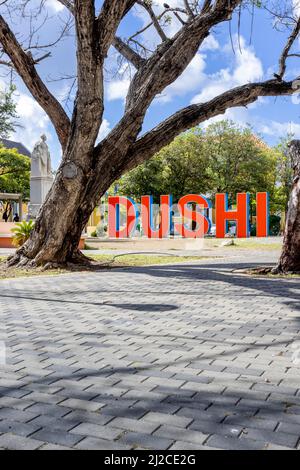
[(68, 4), (188, 9), (149, 144), (128, 53), (173, 56), (43, 57), (206, 6), (165, 65), (25, 66), (109, 19), (287, 48), (154, 19)]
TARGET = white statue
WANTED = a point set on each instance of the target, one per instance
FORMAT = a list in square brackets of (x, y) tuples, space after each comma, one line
[(40, 159), (41, 177)]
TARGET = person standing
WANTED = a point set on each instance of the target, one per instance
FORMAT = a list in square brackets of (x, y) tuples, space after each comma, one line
[(5, 216)]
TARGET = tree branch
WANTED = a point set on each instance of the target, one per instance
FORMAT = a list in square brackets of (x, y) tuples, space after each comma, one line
[(25, 66), (89, 97), (206, 6), (188, 9), (128, 53), (87, 52), (164, 67), (287, 48), (68, 4), (128, 7), (109, 19), (162, 135), (94, 37), (155, 21), (173, 56)]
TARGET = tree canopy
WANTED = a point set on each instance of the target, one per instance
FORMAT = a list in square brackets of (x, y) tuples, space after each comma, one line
[(285, 173), (14, 172), (8, 114), (14, 167), (224, 157)]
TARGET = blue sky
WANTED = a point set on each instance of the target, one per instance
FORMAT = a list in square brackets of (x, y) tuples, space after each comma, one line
[(214, 69)]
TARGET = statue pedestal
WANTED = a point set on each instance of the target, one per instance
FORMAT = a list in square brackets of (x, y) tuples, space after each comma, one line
[(39, 188)]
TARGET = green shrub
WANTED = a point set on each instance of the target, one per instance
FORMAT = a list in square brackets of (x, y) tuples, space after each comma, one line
[(21, 232), (274, 225), (253, 230)]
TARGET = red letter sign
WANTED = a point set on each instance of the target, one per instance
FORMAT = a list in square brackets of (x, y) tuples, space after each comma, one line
[(240, 215), (203, 224), (262, 214), (165, 216), (114, 230)]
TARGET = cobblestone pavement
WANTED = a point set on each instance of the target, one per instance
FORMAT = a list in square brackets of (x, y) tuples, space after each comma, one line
[(190, 356)]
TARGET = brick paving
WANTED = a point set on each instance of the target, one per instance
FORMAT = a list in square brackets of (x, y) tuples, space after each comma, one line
[(188, 356)]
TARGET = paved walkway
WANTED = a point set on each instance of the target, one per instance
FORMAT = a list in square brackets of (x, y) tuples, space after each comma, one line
[(169, 357)]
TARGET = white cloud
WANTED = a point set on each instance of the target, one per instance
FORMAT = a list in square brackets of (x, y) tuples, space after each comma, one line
[(104, 130), (117, 89), (296, 7), (55, 5), (239, 115), (33, 120), (261, 126), (188, 82), (150, 34), (278, 129), (246, 68), (210, 44)]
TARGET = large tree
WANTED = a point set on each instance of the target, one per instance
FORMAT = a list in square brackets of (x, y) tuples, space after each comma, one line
[(88, 169), (290, 256)]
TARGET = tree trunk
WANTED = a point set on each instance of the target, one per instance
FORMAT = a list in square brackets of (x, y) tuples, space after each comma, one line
[(290, 257), (65, 213)]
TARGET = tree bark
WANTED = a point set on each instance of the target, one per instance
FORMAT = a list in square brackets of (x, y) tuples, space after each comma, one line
[(290, 257), (63, 217)]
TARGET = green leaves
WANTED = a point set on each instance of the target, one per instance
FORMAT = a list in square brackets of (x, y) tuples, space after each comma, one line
[(223, 158), (22, 232), (14, 172), (8, 112)]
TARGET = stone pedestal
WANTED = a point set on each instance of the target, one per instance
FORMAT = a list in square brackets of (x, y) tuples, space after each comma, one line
[(39, 188)]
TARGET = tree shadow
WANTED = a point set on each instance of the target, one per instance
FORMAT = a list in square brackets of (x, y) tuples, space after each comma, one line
[(233, 411), (226, 273), (159, 307)]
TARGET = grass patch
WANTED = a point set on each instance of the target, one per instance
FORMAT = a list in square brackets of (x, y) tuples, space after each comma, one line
[(105, 261), (283, 276), (13, 273), (266, 272), (255, 245), (142, 259), (89, 247), (16, 273)]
